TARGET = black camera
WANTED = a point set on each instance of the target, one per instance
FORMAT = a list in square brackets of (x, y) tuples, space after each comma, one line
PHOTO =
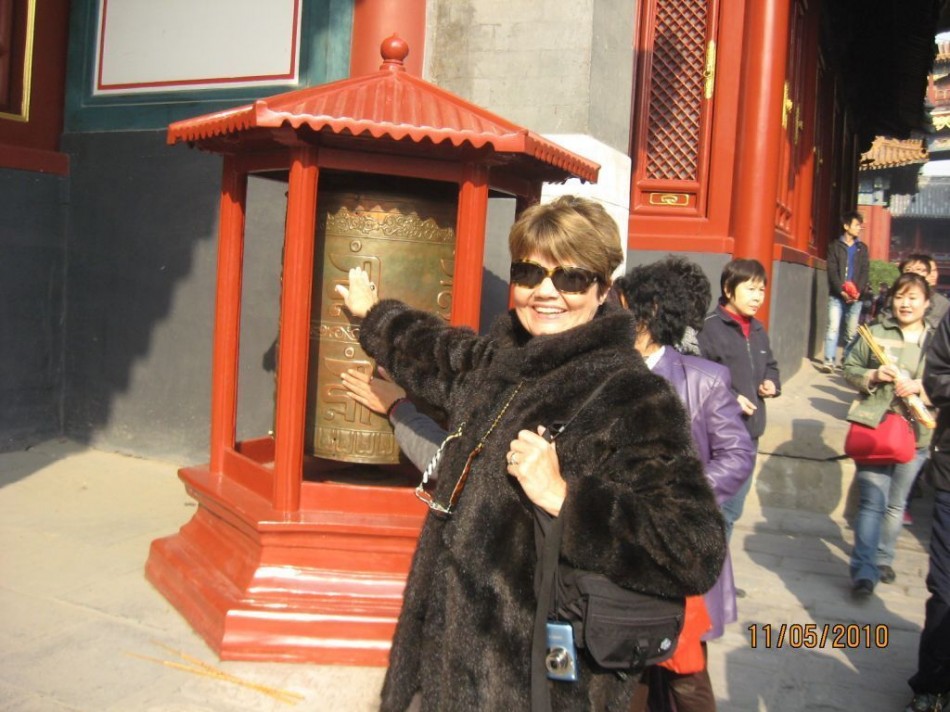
[(561, 658)]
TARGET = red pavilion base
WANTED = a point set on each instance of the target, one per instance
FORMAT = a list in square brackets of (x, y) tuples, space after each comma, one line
[(319, 585)]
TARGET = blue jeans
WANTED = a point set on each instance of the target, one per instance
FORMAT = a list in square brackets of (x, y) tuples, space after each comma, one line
[(837, 307), (732, 507), (883, 490)]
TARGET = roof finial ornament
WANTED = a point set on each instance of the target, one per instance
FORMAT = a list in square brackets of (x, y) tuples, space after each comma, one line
[(394, 50)]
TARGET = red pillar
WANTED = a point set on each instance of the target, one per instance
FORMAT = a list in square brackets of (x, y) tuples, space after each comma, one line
[(375, 20), (227, 312), (760, 132), (470, 246), (877, 231), (294, 347)]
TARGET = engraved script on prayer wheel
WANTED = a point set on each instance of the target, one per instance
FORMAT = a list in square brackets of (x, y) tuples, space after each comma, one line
[(407, 245)]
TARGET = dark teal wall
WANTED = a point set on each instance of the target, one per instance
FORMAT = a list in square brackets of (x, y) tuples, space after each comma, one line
[(32, 241), (142, 251), (139, 292)]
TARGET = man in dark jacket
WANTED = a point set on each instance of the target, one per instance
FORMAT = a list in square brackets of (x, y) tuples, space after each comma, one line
[(848, 273), (931, 682)]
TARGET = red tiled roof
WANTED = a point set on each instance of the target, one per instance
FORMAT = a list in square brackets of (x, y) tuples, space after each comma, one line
[(893, 153), (389, 104)]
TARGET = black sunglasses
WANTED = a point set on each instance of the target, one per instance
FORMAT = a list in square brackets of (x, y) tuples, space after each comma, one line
[(569, 280)]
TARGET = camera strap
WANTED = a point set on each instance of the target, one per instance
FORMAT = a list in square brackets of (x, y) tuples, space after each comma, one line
[(540, 685), (550, 530)]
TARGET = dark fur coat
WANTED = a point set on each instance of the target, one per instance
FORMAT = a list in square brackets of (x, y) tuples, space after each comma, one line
[(638, 507)]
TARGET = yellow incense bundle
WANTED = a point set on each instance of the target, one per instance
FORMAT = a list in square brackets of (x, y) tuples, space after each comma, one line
[(914, 403)]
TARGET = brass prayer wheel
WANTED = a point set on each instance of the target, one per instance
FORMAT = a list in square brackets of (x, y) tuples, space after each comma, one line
[(406, 243)]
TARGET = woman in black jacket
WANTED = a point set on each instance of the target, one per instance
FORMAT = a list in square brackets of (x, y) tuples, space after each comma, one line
[(623, 477), (733, 337)]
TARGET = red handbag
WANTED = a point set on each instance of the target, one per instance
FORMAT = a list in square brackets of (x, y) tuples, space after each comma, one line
[(890, 443)]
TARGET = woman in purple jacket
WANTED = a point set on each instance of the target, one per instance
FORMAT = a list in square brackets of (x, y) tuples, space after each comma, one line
[(666, 297)]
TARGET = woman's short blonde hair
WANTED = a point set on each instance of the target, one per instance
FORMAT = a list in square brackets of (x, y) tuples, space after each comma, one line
[(572, 231)]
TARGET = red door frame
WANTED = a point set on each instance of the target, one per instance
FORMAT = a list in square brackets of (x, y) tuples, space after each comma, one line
[(689, 215)]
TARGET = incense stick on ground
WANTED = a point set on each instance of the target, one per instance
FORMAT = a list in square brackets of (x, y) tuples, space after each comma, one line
[(192, 659), (206, 670)]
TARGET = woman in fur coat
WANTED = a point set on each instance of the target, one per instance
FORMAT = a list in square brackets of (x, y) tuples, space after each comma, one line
[(623, 477)]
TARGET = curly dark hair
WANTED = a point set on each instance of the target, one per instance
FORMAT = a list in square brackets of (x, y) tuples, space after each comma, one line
[(666, 297), (696, 284)]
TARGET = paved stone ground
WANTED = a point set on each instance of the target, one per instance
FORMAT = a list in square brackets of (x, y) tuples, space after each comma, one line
[(793, 566), (75, 526)]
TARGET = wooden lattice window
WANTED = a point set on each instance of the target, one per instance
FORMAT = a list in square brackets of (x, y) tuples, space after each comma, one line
[(676, 58), (676, 90)]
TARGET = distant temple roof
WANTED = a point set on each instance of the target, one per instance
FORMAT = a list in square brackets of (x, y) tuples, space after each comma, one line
[(931, 202), (943, 52), (893, 153)]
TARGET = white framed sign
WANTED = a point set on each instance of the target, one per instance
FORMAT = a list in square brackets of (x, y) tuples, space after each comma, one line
[(147, 46)]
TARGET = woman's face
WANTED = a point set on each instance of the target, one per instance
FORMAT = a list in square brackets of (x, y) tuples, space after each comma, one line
[(544, 310), (909, 305), (748, 297)]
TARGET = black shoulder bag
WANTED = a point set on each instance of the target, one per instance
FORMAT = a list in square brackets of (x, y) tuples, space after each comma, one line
[(620, 630)]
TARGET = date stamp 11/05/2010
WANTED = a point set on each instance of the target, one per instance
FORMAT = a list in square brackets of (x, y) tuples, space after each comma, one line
[(818, 635)]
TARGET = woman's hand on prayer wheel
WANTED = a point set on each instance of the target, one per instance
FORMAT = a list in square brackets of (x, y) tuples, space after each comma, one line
[(377, 394), (360, 294)]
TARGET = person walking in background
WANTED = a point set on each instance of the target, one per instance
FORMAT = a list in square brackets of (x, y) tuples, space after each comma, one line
[(867, 305), (883, 488), (931, 682), (933, 279), (732, 336), (880, 300), (848, 273), (923, 264)]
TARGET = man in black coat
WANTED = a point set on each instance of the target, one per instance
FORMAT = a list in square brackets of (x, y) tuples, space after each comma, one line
[(848, 273)]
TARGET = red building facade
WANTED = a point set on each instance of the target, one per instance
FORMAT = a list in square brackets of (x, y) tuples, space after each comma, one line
[(756, 156)]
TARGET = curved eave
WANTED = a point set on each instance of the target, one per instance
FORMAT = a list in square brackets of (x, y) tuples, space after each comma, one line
[(887, 165), (252, 116), (887, 153)]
